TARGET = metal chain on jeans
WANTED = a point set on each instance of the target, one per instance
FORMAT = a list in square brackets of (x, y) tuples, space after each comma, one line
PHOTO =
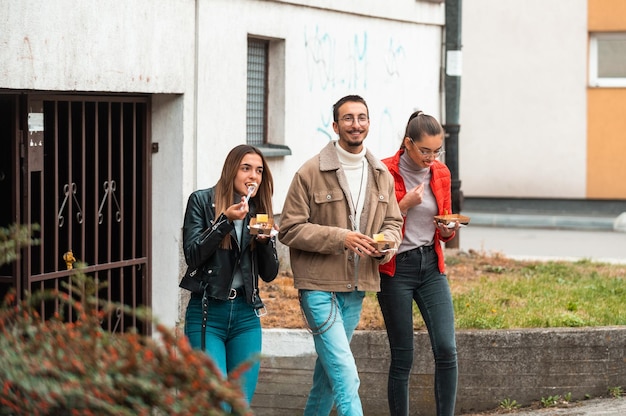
[(205, 316), (334, 310)]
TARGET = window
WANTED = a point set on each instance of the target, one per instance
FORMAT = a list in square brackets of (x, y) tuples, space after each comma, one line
[(265, 107), (607, 60), (257, 86)]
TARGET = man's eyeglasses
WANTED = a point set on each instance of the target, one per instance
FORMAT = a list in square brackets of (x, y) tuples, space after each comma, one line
[(349, 119)]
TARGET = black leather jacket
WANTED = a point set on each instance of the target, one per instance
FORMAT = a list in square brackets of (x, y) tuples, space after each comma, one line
[(211, 267)]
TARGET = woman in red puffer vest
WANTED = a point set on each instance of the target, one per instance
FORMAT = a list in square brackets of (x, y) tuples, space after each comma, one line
[(416, 273)]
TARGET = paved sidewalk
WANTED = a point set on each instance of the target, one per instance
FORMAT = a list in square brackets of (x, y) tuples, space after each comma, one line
[(594, 407)]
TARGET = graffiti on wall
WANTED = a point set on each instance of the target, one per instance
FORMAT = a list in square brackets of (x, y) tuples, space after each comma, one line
[(339, 63)]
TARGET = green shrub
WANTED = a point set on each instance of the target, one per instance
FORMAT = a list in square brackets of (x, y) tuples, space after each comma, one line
[(12, 239)]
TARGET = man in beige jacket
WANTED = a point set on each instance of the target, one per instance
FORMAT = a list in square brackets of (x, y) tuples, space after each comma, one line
[(337, 201)]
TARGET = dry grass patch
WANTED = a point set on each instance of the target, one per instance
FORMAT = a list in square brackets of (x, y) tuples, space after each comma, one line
[(492, 291)]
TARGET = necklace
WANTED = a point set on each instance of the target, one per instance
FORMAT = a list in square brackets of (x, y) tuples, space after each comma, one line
[(355, 205)]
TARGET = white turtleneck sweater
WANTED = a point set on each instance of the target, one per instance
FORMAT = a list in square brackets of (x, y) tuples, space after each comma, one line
[(355, 169)]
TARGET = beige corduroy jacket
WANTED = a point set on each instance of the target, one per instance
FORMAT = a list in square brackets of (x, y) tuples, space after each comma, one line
[(316, 218)]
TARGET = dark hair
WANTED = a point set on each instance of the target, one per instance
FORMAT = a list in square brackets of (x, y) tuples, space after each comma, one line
[(420, 124), (342, 101)]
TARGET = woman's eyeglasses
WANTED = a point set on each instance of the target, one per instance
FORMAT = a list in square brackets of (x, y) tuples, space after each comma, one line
[(427, 153)]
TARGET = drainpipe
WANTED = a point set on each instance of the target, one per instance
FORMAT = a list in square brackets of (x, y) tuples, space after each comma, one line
[(452, 82)]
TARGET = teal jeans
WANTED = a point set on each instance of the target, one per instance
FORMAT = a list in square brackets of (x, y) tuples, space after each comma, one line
[(233, 336)]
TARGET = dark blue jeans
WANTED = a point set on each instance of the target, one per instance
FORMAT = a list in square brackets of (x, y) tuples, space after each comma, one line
[(418, 279)]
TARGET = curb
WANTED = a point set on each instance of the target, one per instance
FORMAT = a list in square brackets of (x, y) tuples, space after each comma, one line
[(521, 364)]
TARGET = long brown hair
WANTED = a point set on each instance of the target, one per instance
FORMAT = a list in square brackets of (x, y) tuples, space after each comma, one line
[(225, 187)]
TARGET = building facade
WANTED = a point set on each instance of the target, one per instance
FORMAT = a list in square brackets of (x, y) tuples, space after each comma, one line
[(543, 98), (113, 112)]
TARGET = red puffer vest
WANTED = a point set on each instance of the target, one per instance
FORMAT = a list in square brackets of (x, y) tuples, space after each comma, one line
[(440, 183)]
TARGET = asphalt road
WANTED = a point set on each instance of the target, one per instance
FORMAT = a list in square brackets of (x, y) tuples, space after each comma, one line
[(534, 243)]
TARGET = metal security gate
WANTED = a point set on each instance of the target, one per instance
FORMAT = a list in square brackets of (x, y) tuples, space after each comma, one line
[(81, 171)]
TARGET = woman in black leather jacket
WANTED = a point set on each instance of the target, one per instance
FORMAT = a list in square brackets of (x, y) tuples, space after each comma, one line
[(225, 261)]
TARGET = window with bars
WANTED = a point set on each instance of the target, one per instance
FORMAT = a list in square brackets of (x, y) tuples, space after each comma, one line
[(265, 107), (607, 60), (256, 107)]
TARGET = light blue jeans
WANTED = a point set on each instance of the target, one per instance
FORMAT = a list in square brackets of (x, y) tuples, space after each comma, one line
[(233, 336), (333, 316)]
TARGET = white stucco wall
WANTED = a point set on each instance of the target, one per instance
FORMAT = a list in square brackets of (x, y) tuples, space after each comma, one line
[(393, 64), (96, 45), (523, 98), (169, 183)]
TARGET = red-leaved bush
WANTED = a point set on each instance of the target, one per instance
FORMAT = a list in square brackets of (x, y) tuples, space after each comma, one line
[(56, 367)]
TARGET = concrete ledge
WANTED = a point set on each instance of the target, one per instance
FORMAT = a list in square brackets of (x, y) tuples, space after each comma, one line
[(523, 365), (543, 221)]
